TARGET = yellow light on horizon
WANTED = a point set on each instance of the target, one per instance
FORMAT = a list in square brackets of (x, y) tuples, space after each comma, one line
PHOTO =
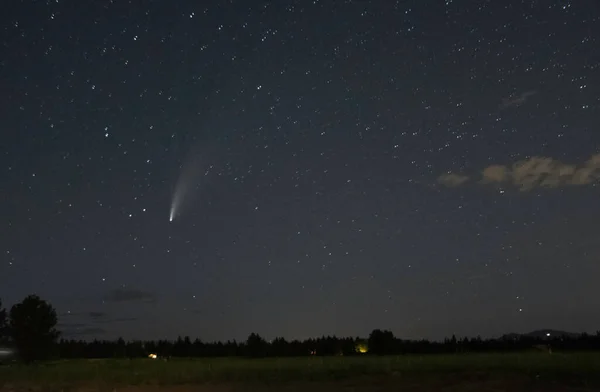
[(362, 348), (152, 356)]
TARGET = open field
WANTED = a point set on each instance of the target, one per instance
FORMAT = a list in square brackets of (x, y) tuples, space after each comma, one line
[(461, 372)]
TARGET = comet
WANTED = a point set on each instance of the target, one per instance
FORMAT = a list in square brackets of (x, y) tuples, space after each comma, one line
[(179, 194), (193, 170), (180, 191)]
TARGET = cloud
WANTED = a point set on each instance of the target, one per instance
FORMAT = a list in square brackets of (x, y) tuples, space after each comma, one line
[(534, 172), (452, 180), (83, 331), (589, 173), (495, 173), (546, 172), (72, 325), (96, 315), (90, 323), (73, 329), (528, 174), (109, 321), (124, 319), (516, 100), (128, 295)]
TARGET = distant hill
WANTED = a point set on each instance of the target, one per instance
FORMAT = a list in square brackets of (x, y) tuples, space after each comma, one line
[(541, 334)]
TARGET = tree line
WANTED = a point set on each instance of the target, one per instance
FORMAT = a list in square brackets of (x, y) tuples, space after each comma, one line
[(30, 327), (379, 342)]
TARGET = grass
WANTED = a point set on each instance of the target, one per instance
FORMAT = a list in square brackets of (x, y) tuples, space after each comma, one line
[(569, 367)]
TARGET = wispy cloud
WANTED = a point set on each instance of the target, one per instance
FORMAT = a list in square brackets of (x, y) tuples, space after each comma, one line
[(88, 323), (81, 331), (516, 100), (127, 295), (96, 315), (532, 173), (452, 179), (495, 173), (123, 320)]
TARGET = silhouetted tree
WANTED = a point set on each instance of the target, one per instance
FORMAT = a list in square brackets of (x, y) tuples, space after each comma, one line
[(256, 346), (381, 342), (3, 325), (279, 347), (121, 348), (182, 347), (32, 327)]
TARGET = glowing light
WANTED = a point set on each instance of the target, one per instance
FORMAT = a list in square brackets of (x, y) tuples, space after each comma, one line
[(6, 351), (176, 202), (152, 356), (362, 348), (173, 210)]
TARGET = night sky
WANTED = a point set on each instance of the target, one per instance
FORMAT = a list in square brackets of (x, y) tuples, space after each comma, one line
[(331, 167)]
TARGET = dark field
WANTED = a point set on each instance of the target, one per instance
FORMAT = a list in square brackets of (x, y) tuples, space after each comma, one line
[(461, 372)]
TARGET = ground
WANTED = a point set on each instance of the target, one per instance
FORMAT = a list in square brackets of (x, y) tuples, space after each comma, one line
[(461, 372)]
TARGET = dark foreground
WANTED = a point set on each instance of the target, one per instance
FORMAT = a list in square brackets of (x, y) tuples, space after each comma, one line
[(461, 372)]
